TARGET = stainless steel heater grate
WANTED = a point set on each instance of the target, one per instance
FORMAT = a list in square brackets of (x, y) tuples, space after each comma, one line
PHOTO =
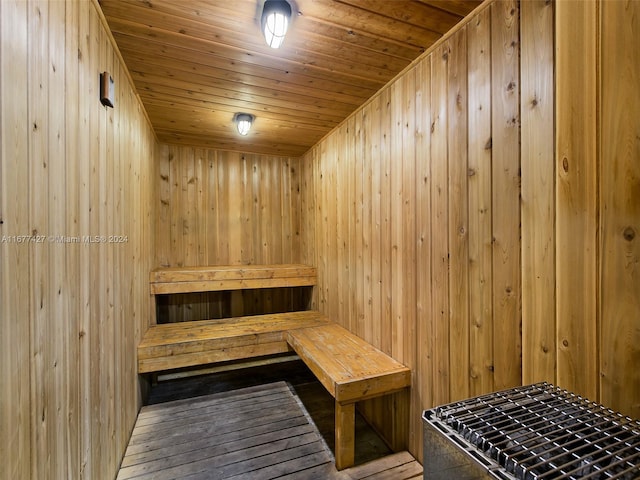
[(533, 432)]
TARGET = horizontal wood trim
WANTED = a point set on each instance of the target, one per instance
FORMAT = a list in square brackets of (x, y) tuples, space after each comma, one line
[(218, 278), (171, 362)]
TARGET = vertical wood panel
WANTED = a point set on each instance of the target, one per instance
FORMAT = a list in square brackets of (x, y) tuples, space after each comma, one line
[(397, 219), (480, 213), (576, 203), (386, 213), (41, 378), (406, 406), (15, 357), (96, 417), (163, 210), (421, 378), (367, 238), (421, 373), (439, 283), (72, 228), (342, 185), (86, 84), (373, 324), (619, 206), (538, 222), (506, 192), (458, 231)]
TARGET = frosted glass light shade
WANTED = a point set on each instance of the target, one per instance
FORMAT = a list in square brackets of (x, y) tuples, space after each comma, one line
[(243, 123)]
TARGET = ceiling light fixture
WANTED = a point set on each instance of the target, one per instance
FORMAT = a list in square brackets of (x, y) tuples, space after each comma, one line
[(276, 15), (243, 122)]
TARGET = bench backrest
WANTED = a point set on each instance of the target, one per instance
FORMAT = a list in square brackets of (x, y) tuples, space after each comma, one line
[(229, 277)]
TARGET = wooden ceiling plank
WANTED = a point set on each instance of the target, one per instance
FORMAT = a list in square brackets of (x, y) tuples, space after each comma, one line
[(300, 108), (203, 113), (458, 7), (227, 142), (361, 40), (195, 63), (410, 12), (357, 19), (238, 72), (182, 70), (348, 71), (300, 23)]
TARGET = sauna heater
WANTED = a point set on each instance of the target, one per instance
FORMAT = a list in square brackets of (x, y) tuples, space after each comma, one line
[(532, 432)]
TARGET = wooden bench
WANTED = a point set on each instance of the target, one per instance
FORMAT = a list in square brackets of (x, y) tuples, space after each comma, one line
[(186, 344), (350, 369)]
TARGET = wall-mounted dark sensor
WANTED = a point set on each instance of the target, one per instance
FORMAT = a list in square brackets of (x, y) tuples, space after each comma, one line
[(107, 89)]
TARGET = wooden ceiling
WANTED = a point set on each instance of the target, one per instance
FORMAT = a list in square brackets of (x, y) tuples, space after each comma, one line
[(196, 63)]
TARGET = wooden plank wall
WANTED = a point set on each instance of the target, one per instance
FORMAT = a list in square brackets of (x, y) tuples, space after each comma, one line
[(461, 228), (227, 208), (71, 309), (416, 211), (598, 201), (618, 173)]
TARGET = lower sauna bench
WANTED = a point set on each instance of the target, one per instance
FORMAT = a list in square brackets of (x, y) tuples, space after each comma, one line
[(348, 367), (169, 346)]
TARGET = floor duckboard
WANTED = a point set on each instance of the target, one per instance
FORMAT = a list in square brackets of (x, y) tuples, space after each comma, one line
[(258, 432), (270, 422)]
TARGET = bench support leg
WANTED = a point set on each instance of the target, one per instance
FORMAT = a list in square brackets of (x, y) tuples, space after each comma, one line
[(345, 435)]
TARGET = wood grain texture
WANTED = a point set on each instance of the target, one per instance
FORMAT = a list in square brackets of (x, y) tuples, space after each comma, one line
[(399, 466), (538, 196), (348, 367), (197, 64), (75, 186), (576, 172), (436, 182), (345, 435), (257, 432), (619, 206), (481, 341), (15, 352), (71, 389), (176, 345), (220, 278), (458, 213), (353, 370), (227, 208), (505, 121), (439, 282)]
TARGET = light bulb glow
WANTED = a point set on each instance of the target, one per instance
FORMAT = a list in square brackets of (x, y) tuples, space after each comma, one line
[(276, 15), (275, 28), (243, 122), (244, 126)]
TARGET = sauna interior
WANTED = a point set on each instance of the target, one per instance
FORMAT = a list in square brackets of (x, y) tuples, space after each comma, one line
[(475, 217)]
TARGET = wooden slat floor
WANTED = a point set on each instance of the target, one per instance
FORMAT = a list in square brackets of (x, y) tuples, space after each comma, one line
[(258, 433), (317, 401), (399, 466)]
